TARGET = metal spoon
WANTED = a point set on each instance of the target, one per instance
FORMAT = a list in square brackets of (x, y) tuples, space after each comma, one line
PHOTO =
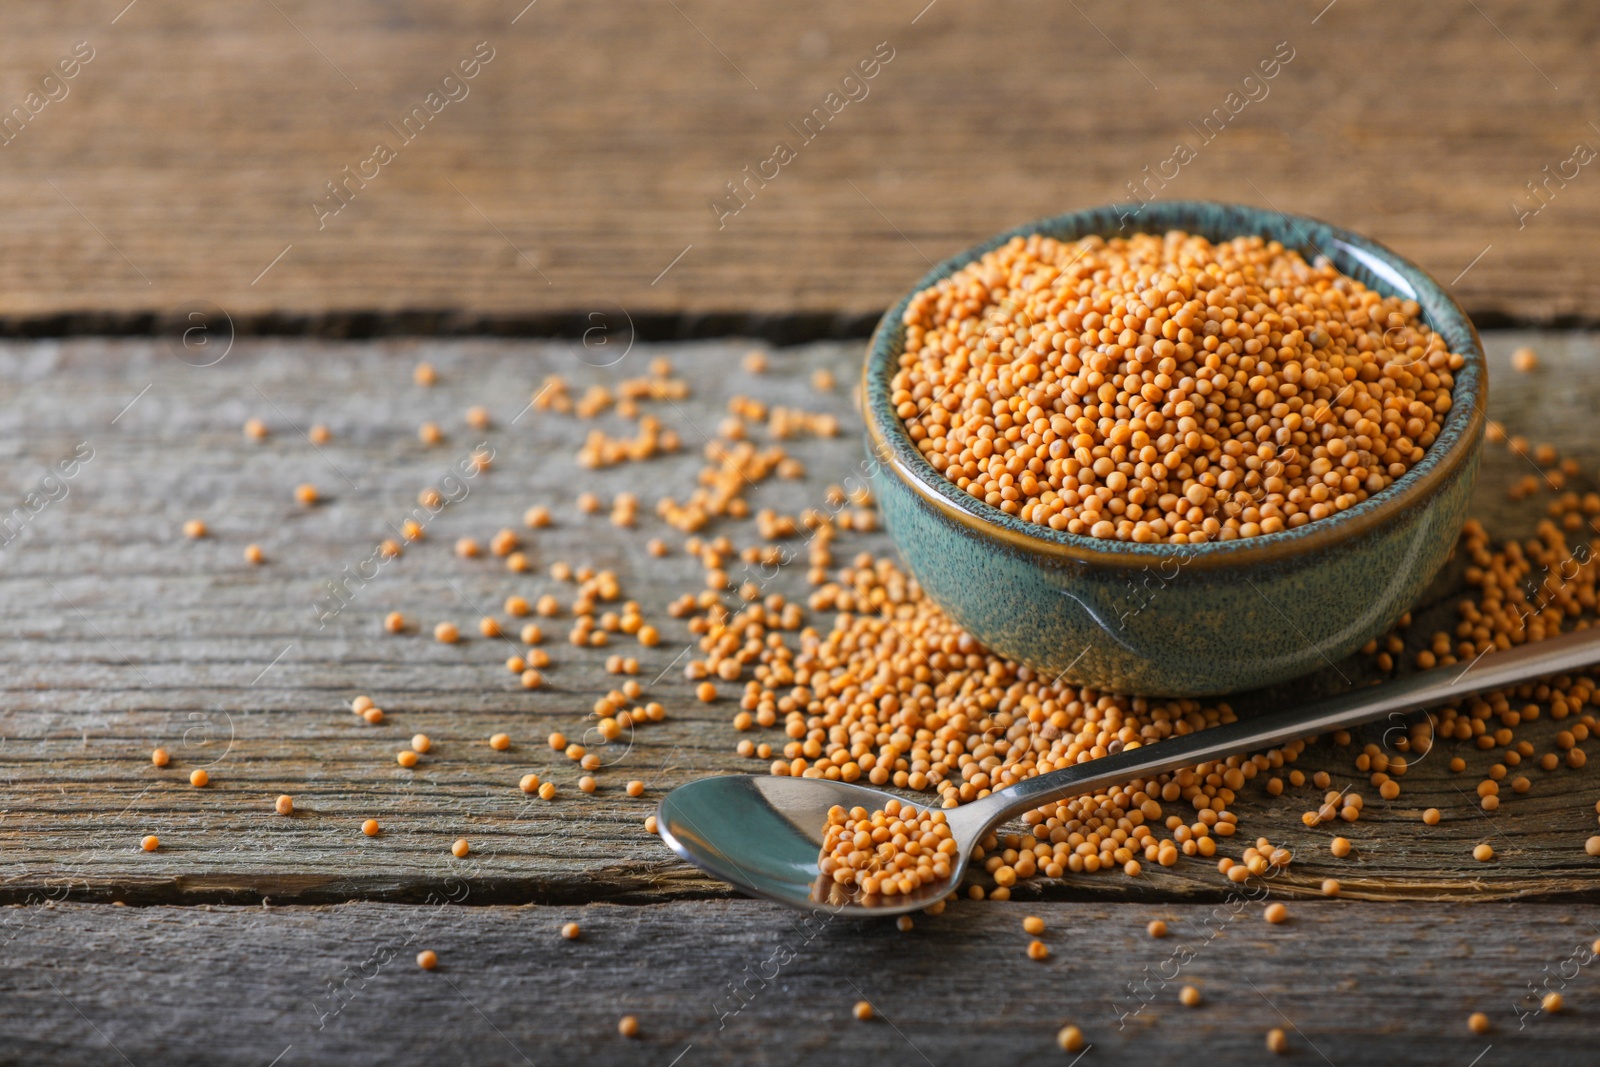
[(763, 833)]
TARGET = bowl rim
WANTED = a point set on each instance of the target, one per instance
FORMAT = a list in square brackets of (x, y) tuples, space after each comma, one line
[(1373, 264)]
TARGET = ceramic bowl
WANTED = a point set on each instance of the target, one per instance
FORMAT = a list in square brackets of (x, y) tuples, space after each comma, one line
[(1189, 620)]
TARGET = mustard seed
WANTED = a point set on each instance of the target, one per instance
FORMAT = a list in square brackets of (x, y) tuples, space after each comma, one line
[(536, 517), (1277, 1040), (446, 633), (306, 494), (1275, 913), (529, 783), (150, 843), (1070, 1038), (1524, 360), (1330, 887), (650, 828), (194, 529), (319, 434), (547, 791), (635, 788), (253, 554), (628, 1026), (370, 827), (586, 784), (460, 849), (394, 622), (1592, 846), (406, 758), (1340, 847), (285, 805), (862, 1010), (500, 742), (159, 757), (199, 778), (427, 959), (570, 931), (558, 741), (478, 417), (421, 742), (255, 429), (1038, 950), (374, 716), (467, 548), (1189, 996), (904, 924), (1157, 928), (1483, 853), (360, 704), (518, 606), (532, 679), (1478, 1022), (1431, 816), (1553, 1002), (489, 626), (424, 374)]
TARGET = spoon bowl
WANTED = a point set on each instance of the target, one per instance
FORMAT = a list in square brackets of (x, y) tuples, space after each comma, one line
[(764, 834)]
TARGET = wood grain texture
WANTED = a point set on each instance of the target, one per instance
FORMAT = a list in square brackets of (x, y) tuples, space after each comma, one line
[(186, 156), (122, 635), (751, 983)]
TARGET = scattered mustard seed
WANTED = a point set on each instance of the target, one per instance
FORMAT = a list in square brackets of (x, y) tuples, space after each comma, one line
[(1552, 1002), (1275, 913), (200, 778), (635, 788), (1431, 817), (528, 783), (1340, 847), (628, 1026), (424, 374), (460, 849), (306, 493), (500, 742), (1157, 928), (150, 843), (370, 827), (194, 529), (427, 959), (406, 758), (862, 1010), (446, 633), (394, 622), (1038, 950), (1525, 360), (1483, 853), (285, 805), (570, 931), (159, 757), (586, 784), (255, 429), (1478, 1022), (1189, 996), (547, 791), (253, 554), (1070, 1038), (1277, 1040)]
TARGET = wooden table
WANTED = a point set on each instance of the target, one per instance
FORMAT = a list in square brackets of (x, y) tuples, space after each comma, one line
[(126, 636), (578, 181)]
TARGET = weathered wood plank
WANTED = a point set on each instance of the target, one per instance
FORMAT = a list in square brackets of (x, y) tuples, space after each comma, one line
[(188, 154), (122, 635), (751, 983)]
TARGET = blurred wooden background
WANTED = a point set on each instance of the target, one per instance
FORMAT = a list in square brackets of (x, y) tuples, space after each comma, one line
[(182, 162)]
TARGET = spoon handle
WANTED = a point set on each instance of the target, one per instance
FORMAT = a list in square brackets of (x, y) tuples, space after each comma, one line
[(1430, 688)]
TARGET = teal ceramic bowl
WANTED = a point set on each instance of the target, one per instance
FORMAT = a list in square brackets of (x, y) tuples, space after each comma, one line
[(1189, 620)]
